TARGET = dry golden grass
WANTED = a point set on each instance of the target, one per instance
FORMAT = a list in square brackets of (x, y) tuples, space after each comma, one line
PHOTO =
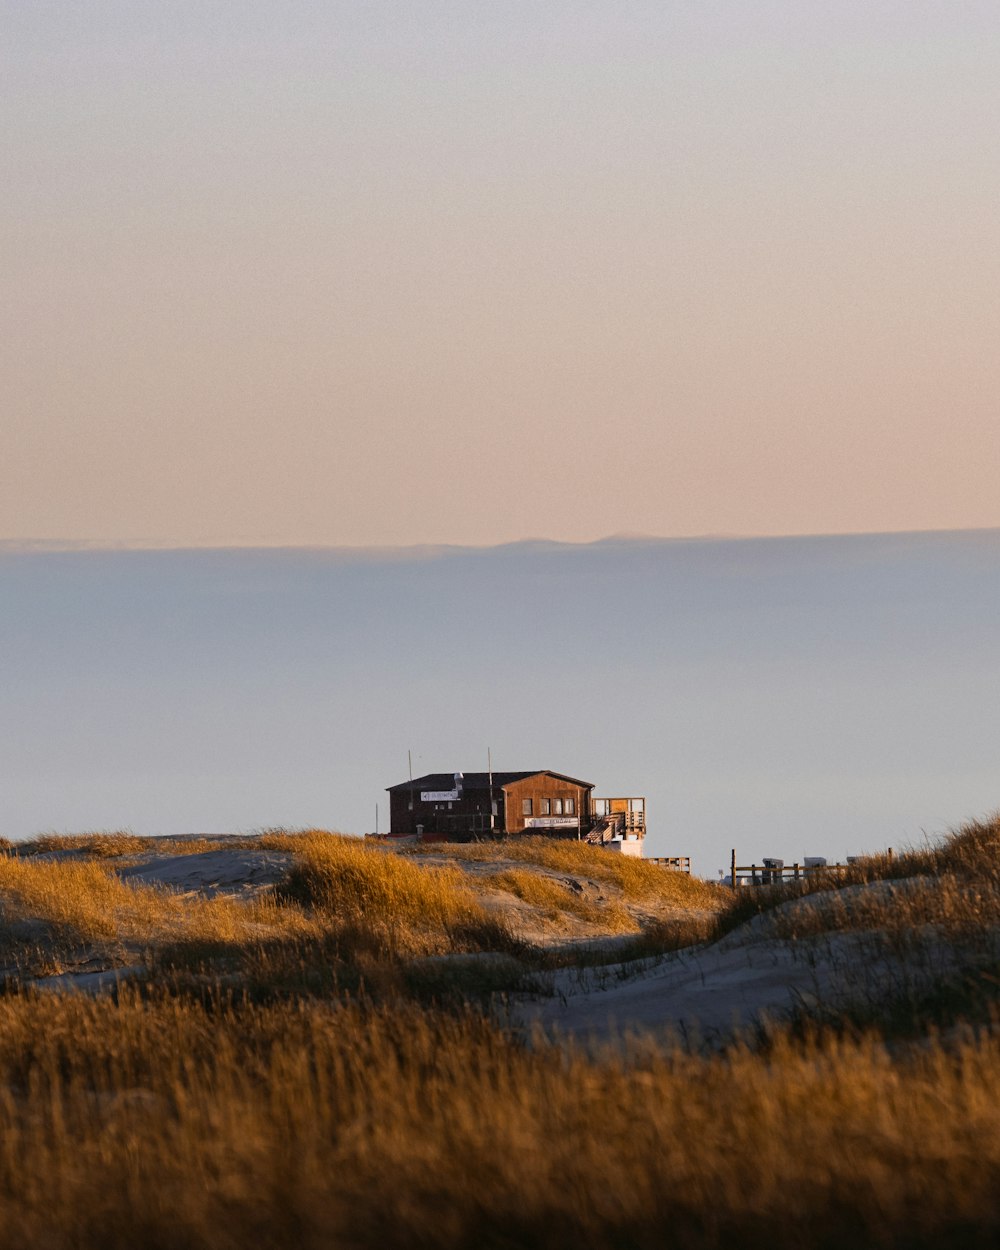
[(956, 907), (50, 911), (636, 879), (269, 840), (954, 885), (411, 910), (197, 846), (972, 851), (345, 876), (347, 915), (202, 1120), (554, 899), (161, 1124), (99, 845), (122, 844)]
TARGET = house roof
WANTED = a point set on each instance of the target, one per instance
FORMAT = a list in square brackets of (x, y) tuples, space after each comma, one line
[(481, 781)]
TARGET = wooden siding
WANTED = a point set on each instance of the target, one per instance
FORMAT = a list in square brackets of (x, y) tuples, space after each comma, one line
[(469, 815), (543, 786), (465, 816)]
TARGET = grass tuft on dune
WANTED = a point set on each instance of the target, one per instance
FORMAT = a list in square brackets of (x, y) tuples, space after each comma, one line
[(52, 910), (95, 845), (636, 879), (349, 883), (353, 880)]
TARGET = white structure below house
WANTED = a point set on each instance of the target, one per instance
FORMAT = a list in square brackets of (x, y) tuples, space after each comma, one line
[(631, 845)]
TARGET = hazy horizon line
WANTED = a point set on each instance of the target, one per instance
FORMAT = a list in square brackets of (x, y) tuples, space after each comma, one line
[(43, 546)]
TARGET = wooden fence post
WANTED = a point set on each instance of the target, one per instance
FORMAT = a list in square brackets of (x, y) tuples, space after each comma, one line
[(732, 871)]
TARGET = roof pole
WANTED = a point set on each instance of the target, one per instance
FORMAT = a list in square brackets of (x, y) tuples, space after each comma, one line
[(489, 767), (409, 760)]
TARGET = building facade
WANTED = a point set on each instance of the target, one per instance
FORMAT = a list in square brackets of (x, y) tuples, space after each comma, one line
[(463, 807)]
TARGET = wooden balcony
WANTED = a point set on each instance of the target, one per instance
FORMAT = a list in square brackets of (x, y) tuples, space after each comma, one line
[(617, 818)]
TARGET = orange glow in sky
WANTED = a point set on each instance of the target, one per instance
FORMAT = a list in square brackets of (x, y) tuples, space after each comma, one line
[(330, 273)]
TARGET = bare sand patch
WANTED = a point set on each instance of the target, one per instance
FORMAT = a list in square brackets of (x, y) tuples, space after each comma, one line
[(239, 871)]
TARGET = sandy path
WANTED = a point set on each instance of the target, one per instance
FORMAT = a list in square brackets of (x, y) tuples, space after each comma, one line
[(710, 992)]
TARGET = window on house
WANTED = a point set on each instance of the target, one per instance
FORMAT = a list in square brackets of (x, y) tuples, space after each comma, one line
[(545, 808), (559, 805), (571, 807), (526, 807)]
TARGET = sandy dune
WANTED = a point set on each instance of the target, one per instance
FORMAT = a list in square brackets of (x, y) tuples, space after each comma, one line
[(711, 992), (211, 872), (706, 992)]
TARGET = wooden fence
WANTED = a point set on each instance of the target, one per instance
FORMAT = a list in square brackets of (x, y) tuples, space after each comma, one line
[(679, 863), (760, 874)]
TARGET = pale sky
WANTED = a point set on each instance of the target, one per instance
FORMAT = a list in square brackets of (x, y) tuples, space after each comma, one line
[(393, 272)]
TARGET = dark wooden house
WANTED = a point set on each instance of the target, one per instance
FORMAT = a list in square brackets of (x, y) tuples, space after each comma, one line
[(461, 807)]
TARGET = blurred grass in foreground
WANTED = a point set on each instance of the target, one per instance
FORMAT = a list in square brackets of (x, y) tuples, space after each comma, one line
[(306, 1068), (169, 1123)]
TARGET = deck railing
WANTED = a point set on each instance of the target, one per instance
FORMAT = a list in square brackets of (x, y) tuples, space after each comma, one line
[(765, 874), (679, 863), (619, 822)]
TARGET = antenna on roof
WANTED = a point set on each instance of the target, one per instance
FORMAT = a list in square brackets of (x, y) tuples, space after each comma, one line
[(409, 760), (489, 765)]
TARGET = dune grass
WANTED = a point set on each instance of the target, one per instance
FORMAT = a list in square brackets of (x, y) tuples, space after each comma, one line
[(635, 879), (371, 907), (345, 876), (955, 883), (54, 913), (555, 899), (958, 909), (107, 845), (86, 899), (406, 908), (158, 1122), (124, 844), (347, 917), (259, 1103)]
